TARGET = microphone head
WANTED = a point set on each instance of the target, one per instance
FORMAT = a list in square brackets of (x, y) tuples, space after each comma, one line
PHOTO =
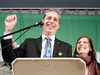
[(41, 24)]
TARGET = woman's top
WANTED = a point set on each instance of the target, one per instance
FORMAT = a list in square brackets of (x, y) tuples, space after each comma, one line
[(93, 68)]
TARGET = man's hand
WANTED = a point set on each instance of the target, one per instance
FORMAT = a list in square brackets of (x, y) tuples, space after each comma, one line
[(10, 22)]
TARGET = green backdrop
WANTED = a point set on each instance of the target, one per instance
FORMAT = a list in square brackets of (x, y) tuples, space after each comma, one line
[(71, 27)]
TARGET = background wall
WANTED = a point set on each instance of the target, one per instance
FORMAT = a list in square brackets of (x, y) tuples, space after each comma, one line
[(71, 28)]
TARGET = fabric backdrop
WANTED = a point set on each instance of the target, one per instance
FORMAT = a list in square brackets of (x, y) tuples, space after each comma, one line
[(71, 28)]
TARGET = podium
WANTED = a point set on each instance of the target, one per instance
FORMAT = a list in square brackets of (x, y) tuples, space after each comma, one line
[(48, 66)]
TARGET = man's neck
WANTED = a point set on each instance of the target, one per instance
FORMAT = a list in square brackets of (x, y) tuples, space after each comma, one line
[(48, 35)]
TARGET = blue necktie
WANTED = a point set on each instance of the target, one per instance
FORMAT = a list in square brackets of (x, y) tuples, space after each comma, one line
[(47, 53)]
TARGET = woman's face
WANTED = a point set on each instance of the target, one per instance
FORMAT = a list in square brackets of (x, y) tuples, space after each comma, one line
[(83, 46)]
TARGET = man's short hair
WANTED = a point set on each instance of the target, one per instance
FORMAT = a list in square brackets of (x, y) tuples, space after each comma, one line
[(52, 10)]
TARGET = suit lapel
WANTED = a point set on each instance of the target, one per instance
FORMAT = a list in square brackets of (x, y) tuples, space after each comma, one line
[(39, 43), (56, 47)]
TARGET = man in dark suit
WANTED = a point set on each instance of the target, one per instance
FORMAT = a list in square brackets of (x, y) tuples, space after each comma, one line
[(36, 47)]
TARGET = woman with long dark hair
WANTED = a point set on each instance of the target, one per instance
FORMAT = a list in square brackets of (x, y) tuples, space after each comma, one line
[(85, 50)]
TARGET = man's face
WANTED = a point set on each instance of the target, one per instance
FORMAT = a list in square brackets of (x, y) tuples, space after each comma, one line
[(51, 23)]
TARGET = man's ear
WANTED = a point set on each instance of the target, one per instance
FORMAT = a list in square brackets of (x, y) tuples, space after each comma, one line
[(42, 20), (58, 25)]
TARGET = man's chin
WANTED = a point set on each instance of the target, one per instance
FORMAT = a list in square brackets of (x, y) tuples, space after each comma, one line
[(50, 31)]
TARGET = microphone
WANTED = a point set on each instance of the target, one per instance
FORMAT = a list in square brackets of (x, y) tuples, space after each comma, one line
[(40, 23)]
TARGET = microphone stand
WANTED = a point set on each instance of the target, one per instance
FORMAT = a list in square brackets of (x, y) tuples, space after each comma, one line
[(20, 30)]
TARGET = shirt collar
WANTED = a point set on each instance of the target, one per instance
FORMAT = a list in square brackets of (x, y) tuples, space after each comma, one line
[(52, 37)]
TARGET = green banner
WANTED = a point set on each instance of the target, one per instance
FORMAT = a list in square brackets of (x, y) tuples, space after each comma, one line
[(71, 28)]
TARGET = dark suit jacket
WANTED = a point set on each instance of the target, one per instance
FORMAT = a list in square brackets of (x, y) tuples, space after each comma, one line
[(32, 48)]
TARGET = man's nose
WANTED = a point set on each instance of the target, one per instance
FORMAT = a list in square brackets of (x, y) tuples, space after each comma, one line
[(52, 20)]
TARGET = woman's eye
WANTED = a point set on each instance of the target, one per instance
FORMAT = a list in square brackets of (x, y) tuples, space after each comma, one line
[(78, 42), (85, 42)]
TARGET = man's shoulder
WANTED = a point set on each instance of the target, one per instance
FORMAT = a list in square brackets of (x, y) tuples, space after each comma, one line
[(32, 39), (29, 40), (62, 42)]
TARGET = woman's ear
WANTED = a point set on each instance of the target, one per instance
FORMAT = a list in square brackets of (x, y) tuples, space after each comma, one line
[(90, 49)]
